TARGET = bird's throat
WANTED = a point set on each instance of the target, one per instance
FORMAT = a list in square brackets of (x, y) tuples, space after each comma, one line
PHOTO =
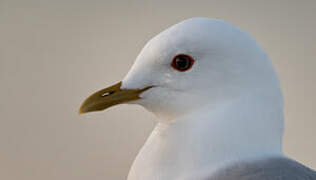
[(208, 139)]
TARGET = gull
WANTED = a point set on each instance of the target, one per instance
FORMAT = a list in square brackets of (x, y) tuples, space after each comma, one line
[(218, 103)]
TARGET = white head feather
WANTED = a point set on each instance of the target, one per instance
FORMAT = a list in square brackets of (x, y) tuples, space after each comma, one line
[(227, 107)]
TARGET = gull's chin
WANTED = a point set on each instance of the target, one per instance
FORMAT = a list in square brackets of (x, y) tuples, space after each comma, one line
[(145, 97), (162, 106)]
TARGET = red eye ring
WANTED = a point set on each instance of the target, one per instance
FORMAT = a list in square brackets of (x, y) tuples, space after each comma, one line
[(182, 62)]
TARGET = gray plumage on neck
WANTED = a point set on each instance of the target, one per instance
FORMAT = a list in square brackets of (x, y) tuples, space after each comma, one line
[(278, 168)]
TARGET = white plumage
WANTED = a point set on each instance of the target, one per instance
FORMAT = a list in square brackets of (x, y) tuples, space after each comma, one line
[(220, 117)]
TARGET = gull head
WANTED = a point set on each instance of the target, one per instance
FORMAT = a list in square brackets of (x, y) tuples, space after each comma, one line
[(196, 63)]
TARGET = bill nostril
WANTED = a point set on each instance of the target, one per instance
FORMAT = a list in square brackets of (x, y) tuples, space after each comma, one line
[(107, 93)]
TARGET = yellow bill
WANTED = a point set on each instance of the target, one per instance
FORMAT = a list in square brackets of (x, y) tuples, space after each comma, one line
[(110, 96)]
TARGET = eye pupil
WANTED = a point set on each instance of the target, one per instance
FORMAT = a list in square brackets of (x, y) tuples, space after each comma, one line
[(182, 62)]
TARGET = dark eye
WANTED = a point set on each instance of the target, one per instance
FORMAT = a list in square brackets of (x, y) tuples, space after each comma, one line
[(182, 62)]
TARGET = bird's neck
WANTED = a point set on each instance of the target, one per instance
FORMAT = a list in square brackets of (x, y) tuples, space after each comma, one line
[(210, 138)]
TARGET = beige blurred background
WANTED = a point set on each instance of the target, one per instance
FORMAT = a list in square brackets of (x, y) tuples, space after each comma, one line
[(53, 53)]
